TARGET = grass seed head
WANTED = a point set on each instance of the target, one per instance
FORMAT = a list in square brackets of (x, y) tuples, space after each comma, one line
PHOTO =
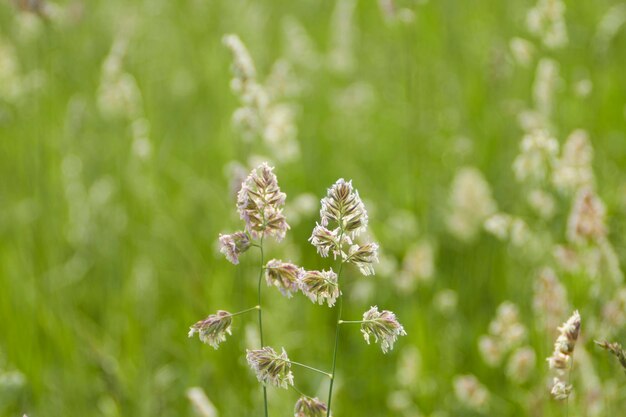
[(234, 245), (363, 257), (471, 203), (327, 241), (310, 407), (521, 364), (586, 222), (270, 367), (560, 390), (213, 329), (573, 170), (284, 276), (320, 286), (260, 203), (615, 349), (343, 206), (383, 325), (470, 392)]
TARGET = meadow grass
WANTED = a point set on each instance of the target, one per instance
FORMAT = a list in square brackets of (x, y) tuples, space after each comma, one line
[(108, 254)]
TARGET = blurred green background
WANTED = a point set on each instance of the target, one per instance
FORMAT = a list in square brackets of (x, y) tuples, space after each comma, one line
[(109, 218)]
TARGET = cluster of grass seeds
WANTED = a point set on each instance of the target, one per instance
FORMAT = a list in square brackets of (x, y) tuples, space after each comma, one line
[(343, 218), (114, 123)]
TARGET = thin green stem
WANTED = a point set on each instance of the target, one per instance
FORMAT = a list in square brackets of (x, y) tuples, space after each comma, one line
[(298, 391), (332, 378), (261, 317), (354, 321), (310, 368), (245, 311)]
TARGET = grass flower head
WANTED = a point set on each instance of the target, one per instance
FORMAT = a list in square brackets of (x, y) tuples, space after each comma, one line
[(213, 329), (562, 356), (260, 203), (284, 276), (383, 325), (364, 257), (270, 367), (343, 206), (328, 241), (615, 349), (310, 407), (560, 390), (587, 218), (320, 286), (234, 245)]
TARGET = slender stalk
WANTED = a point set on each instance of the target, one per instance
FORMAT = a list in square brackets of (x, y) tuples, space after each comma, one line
[(261, 317), (332, 376), (354, 321), (298, 391), (310, 368), (245, 311)]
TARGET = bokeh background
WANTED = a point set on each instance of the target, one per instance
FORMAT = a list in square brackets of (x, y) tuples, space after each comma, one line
[(121, 145)]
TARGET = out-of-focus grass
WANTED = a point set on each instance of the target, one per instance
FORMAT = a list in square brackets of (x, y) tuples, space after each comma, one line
[(95, 300)]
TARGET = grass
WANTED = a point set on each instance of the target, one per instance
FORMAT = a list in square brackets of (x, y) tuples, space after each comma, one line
[(106, 259)]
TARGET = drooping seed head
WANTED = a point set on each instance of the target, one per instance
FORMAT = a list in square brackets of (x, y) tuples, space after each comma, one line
[(270, 367), (615, 349), (260, 203), (383, 326), (343, 206), (310, 407), (213, 329), (320, 286), (363, 256), (284, 276), (234, 245)]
